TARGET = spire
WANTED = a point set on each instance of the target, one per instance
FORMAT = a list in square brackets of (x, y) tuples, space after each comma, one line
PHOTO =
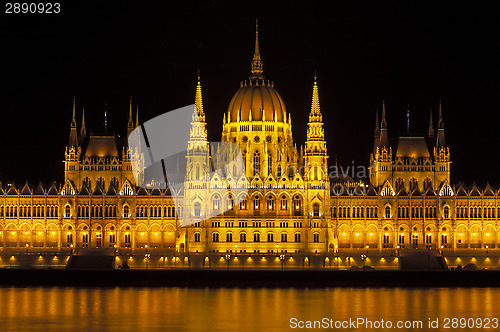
[(105, 118), (430, 134), (257, 65), (384, 139), (315, 115), (137, 116), (198, 100), (73, 120), (408, 120), (376, 136), (383, 123), (83, 131), (130, 123), (440, 142), (377, 126), (73, 135)]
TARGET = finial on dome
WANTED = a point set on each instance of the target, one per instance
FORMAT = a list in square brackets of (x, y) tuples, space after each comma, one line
[(257, 65)]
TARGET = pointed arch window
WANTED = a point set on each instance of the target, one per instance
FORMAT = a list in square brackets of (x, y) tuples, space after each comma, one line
[(315, 210), (269, 163), (387, 211), (67, 211), (256, 163)]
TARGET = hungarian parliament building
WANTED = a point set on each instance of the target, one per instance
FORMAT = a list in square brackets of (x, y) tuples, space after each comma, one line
[(293, 205)]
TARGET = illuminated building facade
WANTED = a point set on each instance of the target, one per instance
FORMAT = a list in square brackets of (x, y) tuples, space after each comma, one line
[(292, 207)]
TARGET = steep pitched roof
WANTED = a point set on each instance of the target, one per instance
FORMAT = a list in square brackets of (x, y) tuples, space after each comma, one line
[(430, 191), (461, 191), (416, 191), (53, 190), (97, 190), (84, 191), (26, 189), (111, 190), (413, 147), (12, 190), (142, 192), (39, 189), (488, 191), (402, 191), (156, 192), (371, 191), (358, 191), (475, 191)]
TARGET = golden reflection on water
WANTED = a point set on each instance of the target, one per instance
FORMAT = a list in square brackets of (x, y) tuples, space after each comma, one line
[(182, 309)]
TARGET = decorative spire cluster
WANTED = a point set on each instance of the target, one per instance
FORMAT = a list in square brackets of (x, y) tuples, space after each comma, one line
[(198, 101)]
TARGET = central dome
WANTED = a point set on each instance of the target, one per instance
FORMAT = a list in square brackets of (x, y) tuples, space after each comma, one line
[(257, 101)]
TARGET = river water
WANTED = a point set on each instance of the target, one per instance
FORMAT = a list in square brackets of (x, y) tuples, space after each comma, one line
[(185, 309)]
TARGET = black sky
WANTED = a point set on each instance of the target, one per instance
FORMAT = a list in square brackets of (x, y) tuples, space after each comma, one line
[(406, 52)]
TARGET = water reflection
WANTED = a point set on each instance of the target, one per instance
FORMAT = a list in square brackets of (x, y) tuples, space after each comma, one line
[(181, 309)]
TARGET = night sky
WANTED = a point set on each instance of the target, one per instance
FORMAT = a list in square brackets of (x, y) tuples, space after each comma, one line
[(408, 53)]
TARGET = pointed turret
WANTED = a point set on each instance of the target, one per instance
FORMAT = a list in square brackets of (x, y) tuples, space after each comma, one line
[(430, 133), (384, 138), (73, 135), (130, 123), (198, 100), (257, 64), (440, 142), (198, 130), (137, 116), (376, 135), (83, 131), (315, 147)]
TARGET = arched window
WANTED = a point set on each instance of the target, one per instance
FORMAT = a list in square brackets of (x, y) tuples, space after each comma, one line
[(316, 237), (126, 211), (446, 212), (256, 163), (256, 237), (215, 237), (270, 203), (315, 210), (284, 237), (297, 205), (256, 203), (229, 237), (243, 237), (67, 212), (216, 203), (270, 237), (284, 203), (197, 237), (269, 163), (387, 211), (278, 171), (197, 209), (297, 237)]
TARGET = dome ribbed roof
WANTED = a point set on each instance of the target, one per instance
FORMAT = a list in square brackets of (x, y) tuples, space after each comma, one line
[(257, 98)]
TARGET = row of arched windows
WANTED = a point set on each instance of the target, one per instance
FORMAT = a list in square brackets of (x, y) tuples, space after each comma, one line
[(355, 211), (155, 211), (257, 237), (25, 211)]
